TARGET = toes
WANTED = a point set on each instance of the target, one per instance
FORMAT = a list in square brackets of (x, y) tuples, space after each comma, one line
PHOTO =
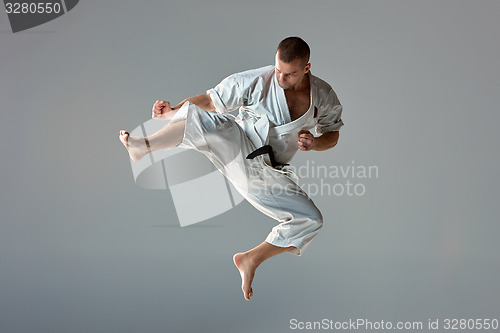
[(247, 294), (124, 138)]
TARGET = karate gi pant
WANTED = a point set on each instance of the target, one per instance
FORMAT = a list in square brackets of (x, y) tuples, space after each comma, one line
[(271, 191)]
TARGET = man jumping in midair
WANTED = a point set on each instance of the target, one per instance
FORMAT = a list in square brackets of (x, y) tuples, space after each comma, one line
[(277, 105)]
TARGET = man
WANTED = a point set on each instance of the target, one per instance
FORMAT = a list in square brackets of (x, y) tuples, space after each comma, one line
[(277, 106)]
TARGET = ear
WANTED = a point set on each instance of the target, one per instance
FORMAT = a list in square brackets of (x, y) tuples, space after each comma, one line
[(307, 68)]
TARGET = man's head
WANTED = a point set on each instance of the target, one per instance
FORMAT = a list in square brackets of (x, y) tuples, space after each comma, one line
[(292, 62)]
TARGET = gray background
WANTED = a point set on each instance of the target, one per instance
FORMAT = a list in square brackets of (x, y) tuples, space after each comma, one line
[(83, 249)]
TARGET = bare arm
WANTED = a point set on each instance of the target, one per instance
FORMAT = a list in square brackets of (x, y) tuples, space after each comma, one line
[(203, 101), (162, 109), (327, 140)]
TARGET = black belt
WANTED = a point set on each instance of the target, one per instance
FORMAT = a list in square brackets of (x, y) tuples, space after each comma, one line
[(267, 149)]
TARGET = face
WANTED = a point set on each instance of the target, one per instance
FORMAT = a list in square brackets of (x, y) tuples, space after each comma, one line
[(290, 74)]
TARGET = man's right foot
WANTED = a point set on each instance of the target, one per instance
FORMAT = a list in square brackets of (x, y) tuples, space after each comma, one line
[(247, 268), (136, 147)]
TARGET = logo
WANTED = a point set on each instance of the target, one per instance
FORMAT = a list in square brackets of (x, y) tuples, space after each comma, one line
[(25, 15)]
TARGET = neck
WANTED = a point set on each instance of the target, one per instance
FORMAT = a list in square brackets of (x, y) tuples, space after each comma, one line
[(302, 85)]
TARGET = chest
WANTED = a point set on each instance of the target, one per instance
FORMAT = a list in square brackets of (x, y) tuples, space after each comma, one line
[(298, 103)]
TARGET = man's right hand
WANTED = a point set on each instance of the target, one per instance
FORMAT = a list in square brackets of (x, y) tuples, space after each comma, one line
[(160, 110)]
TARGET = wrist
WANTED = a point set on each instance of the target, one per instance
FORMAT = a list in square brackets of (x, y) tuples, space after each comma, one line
[(314, 144)]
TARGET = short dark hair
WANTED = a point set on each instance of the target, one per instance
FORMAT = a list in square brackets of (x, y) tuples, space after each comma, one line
[(292, 48)]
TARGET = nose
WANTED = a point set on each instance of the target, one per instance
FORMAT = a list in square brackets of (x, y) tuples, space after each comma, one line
[(279, 76)]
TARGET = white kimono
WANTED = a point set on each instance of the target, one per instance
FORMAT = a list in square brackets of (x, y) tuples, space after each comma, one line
[(263, 119)]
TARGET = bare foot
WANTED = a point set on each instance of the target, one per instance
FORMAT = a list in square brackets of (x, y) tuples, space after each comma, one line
[(136, 147), (247, 270)]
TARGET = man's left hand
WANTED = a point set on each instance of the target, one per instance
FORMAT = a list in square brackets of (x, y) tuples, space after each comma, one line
[(306, 140)]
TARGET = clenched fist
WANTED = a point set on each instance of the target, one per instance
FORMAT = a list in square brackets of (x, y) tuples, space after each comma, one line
[(306, 140), (161, 109)]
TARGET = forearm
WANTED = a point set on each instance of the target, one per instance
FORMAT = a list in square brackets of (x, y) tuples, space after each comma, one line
[(203, 101), (326, 141)]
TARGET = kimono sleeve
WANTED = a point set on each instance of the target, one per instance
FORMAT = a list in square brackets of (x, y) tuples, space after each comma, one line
[(329, 115), (229, 94)]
